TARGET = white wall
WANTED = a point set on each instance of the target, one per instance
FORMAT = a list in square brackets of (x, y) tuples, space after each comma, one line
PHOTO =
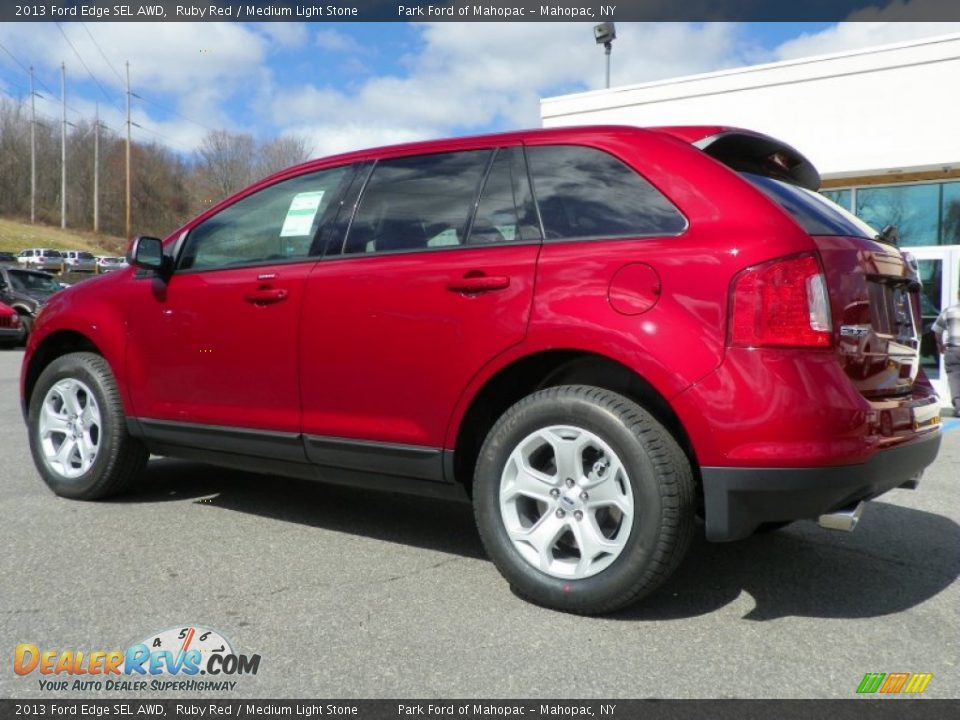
[(892, 108)]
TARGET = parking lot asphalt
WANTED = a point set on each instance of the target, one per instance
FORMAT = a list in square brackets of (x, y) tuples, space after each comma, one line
[(346, 593)]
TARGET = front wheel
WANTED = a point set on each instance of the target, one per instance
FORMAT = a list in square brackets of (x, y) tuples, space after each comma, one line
[(26, 325), (584, 501), (77, 428)]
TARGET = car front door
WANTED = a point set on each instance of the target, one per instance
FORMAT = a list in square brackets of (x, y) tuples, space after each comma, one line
[(430, 285), (214, 345)]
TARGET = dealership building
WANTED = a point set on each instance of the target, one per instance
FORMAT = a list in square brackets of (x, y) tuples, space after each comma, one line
[(882, 125)]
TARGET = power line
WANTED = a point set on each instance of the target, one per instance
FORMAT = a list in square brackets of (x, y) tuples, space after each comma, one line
[(162, 137), (102, 54), (85, 67), (173, 112), (26, 70)]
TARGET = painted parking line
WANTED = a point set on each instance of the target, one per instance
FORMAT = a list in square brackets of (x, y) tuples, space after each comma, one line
[(951, 424)]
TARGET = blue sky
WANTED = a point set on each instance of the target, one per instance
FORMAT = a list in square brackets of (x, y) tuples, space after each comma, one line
[(351, 85)]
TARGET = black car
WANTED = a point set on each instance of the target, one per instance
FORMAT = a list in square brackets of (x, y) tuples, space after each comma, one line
[(26, 291), (7, 257)]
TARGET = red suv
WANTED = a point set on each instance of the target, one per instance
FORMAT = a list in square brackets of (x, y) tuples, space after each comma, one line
[(596, 333)]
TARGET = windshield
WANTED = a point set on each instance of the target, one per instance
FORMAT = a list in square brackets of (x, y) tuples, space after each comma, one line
[(33, 282), (816, 214)]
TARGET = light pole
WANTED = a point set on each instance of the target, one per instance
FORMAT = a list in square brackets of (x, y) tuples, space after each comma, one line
[(605, 34)]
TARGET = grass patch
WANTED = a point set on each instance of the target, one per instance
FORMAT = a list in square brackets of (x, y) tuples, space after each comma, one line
[(16, 235)]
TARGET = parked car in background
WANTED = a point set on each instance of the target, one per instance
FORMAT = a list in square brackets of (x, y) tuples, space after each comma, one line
[(595, 333), (79, 261), (106, 263), (11, 330), (26, 291), (41, 259), (7, 257)]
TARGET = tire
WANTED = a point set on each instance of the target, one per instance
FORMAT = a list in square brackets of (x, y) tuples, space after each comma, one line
[(26, 325), (633, 485), (90, 461)]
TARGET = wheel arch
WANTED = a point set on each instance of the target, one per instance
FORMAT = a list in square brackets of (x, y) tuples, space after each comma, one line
[(55, 345), (549, 368)]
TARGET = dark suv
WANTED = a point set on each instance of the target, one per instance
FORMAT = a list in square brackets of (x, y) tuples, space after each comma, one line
[(597, 334), (26, 291)]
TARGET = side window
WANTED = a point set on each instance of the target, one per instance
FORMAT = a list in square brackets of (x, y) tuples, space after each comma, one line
[(506, 212), (275, 224), (418, 202), (583, 193)]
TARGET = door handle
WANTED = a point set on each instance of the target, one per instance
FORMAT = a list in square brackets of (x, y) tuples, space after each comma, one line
[(479, 284), (266, 296)]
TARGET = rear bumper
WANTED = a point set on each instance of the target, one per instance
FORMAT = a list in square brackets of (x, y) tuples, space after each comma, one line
[(738, 500)]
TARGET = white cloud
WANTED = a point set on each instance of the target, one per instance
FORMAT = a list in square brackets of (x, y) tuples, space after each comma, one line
[(335, 42), (467, 76), (191, 68), (856, 35), (455, 78)]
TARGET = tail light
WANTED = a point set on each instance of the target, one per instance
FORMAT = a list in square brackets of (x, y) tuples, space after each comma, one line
[(782, 303)]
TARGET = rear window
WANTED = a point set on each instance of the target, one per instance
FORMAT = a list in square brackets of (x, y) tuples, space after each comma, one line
[(85, 256), (815, 213), (52, 253)]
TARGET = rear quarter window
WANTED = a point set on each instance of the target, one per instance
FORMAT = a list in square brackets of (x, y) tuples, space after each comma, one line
[(587, 193)]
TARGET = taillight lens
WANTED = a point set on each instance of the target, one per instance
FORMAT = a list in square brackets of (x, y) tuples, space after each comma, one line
[(782, 303)]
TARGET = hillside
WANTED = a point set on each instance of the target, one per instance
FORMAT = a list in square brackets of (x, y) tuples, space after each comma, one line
[(16, 235)]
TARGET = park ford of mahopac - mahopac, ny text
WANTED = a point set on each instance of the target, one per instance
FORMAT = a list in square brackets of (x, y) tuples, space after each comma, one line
[(474, 709), (437, 11)]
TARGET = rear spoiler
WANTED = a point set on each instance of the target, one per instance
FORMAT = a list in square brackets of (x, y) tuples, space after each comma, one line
[(747, 151)]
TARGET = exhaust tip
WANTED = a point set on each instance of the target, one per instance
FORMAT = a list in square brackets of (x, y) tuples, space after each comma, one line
[(845, 520)]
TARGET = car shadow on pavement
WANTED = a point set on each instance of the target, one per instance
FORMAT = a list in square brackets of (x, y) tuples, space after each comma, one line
[(896, 559), (441, 525)]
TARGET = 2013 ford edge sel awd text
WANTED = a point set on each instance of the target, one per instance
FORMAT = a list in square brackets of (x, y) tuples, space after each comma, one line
[(597, 334)]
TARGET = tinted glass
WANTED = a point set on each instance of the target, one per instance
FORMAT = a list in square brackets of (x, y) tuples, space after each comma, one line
[(840, 197), (506, 212), (416, 203), (28, 281), (951, 214), (815, 213), (584, 192), (275, 224), (913, 209), (85, 256)]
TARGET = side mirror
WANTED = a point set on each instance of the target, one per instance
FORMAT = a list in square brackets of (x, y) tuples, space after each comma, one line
[(147, 253)]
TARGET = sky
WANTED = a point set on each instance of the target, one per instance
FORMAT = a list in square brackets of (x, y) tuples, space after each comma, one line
[(354, 85)]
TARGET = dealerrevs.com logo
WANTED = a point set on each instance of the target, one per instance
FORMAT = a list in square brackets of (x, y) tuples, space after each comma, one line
[(189, 659)]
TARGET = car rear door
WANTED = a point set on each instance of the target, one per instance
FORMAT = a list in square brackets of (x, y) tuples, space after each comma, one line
[(215, 345), (430, 285)]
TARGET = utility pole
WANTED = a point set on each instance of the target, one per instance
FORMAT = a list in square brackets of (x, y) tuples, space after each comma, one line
[(33, 151), (96, 170), (63, 147), (127, 224)]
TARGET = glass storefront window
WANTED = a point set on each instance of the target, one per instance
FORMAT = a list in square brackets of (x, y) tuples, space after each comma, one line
[(913, 209), (950, 234), (840, 197)]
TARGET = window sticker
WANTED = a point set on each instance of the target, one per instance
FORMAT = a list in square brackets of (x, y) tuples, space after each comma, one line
[(303, 209)]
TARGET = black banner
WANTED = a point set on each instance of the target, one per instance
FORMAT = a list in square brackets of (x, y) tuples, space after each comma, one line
[(443, 709), (462, 11)]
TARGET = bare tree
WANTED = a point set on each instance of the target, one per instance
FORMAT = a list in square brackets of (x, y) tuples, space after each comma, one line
[(275, 155), (227, 161)]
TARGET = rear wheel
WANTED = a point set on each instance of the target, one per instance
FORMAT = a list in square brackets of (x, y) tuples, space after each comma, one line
[(77, 428), (583, 500)]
